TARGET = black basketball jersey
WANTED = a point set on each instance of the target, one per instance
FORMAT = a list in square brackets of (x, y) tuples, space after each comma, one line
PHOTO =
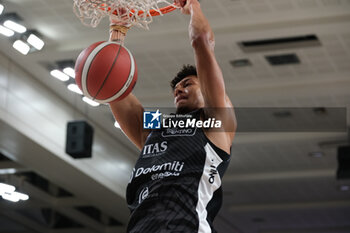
[(176, 183)]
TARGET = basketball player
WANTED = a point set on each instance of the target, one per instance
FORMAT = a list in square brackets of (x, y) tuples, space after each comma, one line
[(176, 183)]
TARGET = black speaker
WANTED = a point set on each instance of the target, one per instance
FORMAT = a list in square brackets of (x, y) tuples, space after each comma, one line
[(79, 139), (343, 171)]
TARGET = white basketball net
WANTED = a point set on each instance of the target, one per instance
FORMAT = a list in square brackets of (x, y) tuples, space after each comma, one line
[(91, 12)]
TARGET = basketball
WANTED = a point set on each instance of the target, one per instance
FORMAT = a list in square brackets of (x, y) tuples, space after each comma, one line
[(105, 72)]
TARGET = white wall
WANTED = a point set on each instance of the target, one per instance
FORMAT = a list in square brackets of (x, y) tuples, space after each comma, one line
[(32, 116)]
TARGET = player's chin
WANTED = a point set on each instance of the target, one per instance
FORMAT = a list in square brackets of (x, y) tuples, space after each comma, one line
[(181, 104)]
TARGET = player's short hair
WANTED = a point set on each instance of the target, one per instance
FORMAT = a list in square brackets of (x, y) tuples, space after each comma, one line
[(186, 71)]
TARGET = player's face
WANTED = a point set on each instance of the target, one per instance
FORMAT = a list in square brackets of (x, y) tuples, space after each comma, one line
[(188, 95)]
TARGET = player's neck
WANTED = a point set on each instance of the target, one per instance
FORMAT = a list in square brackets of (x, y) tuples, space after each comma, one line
[(184, 110)]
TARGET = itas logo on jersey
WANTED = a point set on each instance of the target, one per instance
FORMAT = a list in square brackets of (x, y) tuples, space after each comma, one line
[(154, 149), (152, 120)]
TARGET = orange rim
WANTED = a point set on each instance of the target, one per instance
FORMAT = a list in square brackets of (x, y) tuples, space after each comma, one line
[(163, 10)]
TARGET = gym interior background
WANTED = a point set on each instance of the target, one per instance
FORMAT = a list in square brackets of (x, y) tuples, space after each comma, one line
[(273, 53)]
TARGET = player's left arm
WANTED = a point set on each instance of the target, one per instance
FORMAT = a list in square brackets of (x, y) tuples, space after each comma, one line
[(209, 73)]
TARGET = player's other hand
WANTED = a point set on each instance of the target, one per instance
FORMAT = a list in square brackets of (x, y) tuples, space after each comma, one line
[(186, 5)]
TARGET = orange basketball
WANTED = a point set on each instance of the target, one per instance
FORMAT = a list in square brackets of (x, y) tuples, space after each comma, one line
[(105, 72)]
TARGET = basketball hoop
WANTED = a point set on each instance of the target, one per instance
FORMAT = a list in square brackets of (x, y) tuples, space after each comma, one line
[(138, 12)]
